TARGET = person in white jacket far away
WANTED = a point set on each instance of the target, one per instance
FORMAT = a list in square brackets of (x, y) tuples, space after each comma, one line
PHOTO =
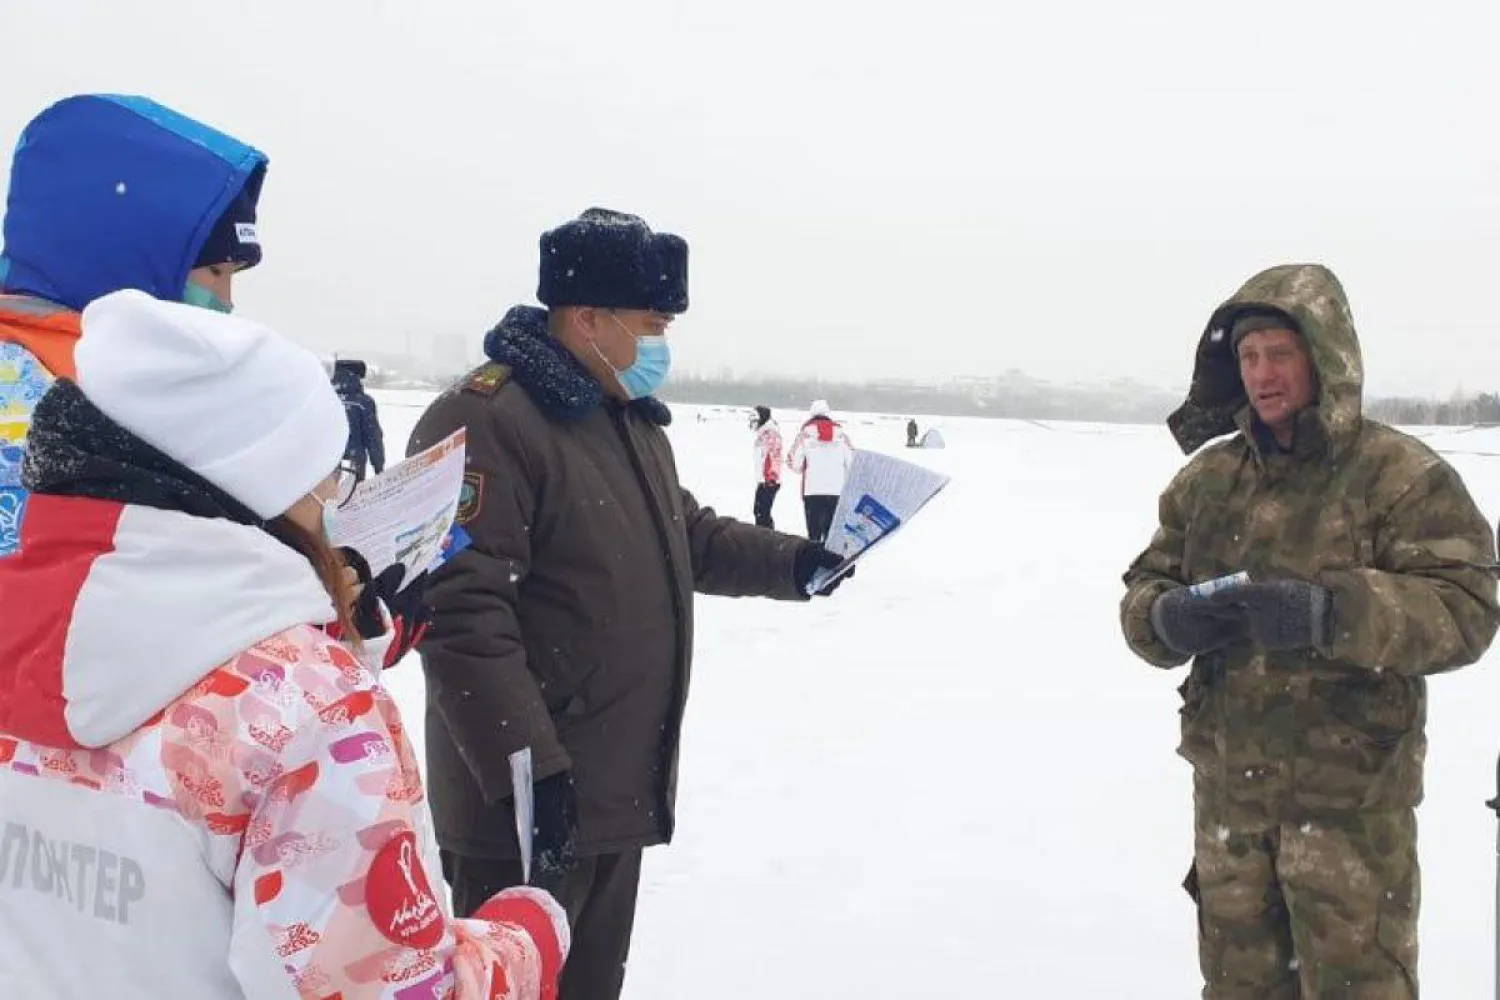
[(821, 453)]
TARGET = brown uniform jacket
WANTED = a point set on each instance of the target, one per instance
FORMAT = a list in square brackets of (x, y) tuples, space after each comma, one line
[(568, 625)]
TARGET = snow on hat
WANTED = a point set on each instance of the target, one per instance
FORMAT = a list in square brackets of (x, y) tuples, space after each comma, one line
[(819, 408), (354, 366), (612, 260), (232, 400)]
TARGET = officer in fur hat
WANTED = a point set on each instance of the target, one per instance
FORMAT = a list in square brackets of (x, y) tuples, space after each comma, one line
[(567, 626)]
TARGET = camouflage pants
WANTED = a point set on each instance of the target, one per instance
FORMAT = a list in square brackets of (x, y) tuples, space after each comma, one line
[(1319, 910)]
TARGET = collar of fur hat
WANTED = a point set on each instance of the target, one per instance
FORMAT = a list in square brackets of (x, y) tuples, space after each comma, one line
[(555, 380)]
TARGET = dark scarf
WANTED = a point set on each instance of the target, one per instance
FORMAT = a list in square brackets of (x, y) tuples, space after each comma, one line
[(74, 450), (555, 380)]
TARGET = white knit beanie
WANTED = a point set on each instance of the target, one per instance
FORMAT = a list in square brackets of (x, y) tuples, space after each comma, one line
[(232, 400)]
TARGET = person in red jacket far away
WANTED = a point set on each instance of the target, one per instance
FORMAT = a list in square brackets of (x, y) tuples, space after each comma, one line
[(767, 464)]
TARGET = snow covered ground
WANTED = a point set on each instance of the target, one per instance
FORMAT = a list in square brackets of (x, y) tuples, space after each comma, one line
[(951, 778)]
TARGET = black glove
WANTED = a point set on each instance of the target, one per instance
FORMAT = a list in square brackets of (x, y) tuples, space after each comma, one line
[(554, 831), (809, 559), (1190, 625), (1282, 614), (410, 615)]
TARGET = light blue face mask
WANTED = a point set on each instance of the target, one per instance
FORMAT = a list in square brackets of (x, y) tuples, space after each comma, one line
[(195, 294), (330, 516), (653, 360), (343, 490)]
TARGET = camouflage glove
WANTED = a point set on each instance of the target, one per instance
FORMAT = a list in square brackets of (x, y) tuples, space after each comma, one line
[(1282, 614), (1189, 625), (555, 832)]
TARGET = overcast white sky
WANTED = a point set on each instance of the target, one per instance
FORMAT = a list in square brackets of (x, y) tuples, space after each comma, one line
[(870, 189)]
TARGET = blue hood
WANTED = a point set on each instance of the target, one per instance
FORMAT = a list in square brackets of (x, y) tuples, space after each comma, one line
[(110, 192)]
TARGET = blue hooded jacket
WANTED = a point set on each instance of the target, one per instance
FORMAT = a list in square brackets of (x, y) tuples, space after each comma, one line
[(106, 193), (366, 439), (110, 192)]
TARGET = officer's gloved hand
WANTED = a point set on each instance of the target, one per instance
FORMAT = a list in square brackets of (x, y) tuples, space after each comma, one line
[(810, 558), (554, 832), (1190, 625), (1282, 614)]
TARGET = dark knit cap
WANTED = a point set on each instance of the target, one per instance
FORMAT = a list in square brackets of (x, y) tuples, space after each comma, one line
[(764, 413), (611, 260), (234, 240), (1257, 320)]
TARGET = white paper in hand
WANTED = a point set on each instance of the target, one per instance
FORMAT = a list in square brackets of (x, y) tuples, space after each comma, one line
[(1219, 584), (404, 514), (520, 783), (881, 494)]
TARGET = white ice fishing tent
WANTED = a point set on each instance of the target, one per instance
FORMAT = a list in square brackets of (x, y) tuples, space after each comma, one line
[(932, 439)]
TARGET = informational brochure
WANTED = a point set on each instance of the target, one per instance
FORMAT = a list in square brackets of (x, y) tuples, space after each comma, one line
[(520, 783), (405, 514), (881, 494)]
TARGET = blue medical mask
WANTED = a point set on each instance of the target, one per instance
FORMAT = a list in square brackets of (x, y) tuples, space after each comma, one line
[(343, 490), (653, 360), (195, 294), (330, 514)]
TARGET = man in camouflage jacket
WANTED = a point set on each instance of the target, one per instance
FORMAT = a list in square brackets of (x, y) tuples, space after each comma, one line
[(1304, 710)]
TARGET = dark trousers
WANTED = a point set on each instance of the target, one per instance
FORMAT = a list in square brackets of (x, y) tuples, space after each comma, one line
[(599, 896), (819, 511), (765, 496)]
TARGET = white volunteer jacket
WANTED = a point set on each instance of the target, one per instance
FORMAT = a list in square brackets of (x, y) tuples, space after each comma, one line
[(822, 453), (201, 796)]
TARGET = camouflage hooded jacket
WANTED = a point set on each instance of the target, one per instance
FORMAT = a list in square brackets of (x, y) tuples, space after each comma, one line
[(1364, 510)]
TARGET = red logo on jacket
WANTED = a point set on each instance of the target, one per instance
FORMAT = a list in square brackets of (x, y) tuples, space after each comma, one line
[(398, 898)]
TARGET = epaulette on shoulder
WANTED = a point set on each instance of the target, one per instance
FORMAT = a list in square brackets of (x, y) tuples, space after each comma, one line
[(487, 379)]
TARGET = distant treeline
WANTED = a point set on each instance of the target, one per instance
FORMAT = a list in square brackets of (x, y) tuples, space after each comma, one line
[(1013, 395), (1481, 409)]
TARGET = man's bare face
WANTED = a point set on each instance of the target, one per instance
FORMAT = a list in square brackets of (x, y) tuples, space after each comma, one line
[(1278, 375)]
